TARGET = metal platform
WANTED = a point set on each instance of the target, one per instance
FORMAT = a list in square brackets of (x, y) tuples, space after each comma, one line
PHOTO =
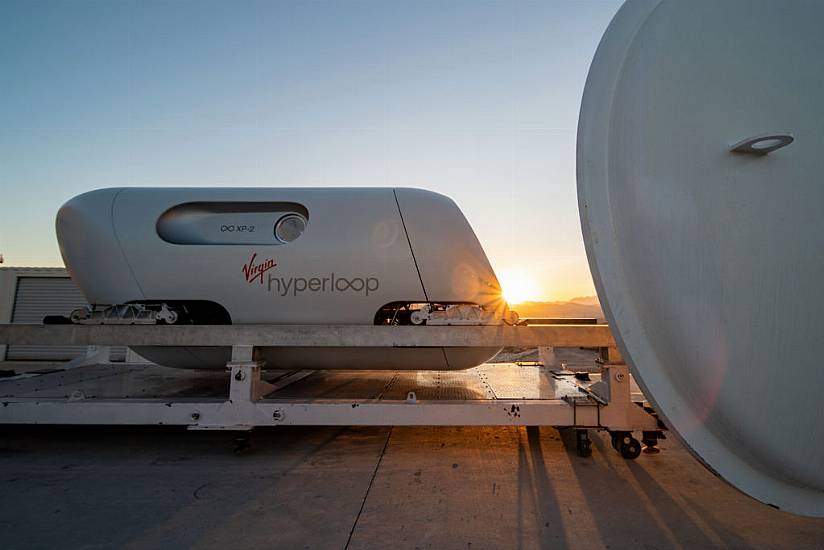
[(247, 396)]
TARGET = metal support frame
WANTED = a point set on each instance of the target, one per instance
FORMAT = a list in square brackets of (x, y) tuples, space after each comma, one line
[(604, 405)]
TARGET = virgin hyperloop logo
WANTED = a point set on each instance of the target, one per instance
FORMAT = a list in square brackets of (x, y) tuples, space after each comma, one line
[(255, 271)]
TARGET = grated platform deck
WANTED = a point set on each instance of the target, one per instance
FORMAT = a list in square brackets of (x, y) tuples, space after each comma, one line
[(490, 381)]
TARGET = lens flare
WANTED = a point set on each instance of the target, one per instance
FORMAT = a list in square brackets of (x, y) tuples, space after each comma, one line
[(518, 286)]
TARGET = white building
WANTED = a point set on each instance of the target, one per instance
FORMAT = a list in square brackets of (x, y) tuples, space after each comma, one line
[(27, 294)]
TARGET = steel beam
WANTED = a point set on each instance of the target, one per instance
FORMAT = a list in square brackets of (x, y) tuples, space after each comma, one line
[(229, 415), (309, 335)]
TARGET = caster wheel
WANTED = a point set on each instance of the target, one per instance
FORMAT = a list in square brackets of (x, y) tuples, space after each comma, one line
[(650, 441), (583, 444), (630, 448), (616, 440)]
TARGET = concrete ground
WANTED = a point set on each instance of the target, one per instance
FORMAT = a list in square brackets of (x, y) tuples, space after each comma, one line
[(63, 487)]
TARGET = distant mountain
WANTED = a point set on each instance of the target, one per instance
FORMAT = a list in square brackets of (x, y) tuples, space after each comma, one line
[(588, 300), (586, 306)]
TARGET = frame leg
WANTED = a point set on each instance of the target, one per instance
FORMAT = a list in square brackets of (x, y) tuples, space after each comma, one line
[(245, 383)]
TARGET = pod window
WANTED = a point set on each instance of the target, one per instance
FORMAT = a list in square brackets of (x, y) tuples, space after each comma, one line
[(233, 223)]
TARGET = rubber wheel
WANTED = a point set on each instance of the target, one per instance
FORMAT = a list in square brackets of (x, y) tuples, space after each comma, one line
[(630, 448)]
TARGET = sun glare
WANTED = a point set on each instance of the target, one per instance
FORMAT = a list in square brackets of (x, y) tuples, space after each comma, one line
[(518, 286)]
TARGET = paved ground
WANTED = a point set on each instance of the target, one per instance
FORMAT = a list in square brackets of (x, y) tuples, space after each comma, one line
[(367, 488)]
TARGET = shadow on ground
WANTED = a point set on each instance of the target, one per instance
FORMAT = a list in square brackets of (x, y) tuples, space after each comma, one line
[(365, 488)]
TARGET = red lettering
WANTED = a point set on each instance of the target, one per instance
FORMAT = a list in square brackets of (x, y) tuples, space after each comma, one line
[(253, 271)]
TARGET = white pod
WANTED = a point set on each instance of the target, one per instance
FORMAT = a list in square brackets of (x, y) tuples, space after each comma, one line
[(332, 256), (700, 193)]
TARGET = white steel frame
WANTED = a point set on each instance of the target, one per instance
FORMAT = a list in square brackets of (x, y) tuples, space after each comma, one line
[(606, 405)]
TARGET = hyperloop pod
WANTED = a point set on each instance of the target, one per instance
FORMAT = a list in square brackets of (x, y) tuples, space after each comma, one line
[(332, 256), (700, 188)]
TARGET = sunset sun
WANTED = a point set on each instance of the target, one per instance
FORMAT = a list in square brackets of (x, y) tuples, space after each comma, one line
[(518, 286)]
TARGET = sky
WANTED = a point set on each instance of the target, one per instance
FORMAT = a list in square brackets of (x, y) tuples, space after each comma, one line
[(477, 100)]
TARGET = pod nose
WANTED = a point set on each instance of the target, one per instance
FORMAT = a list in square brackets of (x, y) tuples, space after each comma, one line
[(90, 250), (83, 217)]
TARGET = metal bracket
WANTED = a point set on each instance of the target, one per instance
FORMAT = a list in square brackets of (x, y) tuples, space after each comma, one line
[(620, 413), (245, 382)]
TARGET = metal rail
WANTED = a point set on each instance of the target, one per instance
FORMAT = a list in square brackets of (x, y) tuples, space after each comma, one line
[(591, 336)]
